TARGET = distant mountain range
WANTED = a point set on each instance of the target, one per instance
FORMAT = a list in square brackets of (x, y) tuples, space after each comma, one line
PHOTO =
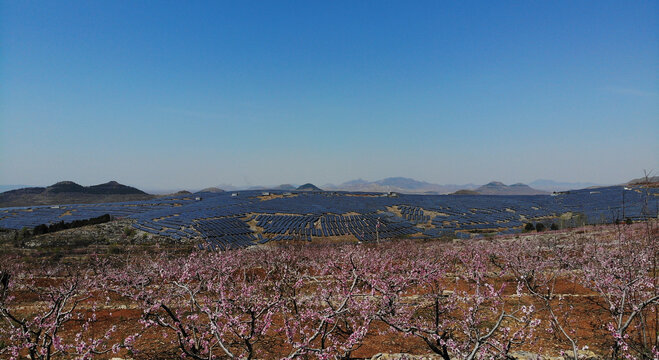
[(212, 190), (643, 180), (398, 184), (68, 192), (498, 188), (285, 187), (551, 185), (412, 186)]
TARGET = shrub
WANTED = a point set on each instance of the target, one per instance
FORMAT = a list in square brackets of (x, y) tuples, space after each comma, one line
[(540, 227), (115, 249), (553, 226), (529, 227), (81, 241), (44, 229), (129, 231)]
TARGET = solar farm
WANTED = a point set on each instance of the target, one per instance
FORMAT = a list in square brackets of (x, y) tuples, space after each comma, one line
[(240, 219)]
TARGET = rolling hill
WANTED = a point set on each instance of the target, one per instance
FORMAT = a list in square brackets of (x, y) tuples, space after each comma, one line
[(551, 185), (398, 184), (68, 192), (308, 187), (499, 188), (412, 186)]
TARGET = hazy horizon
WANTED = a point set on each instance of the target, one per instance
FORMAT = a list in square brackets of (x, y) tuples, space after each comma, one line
[(192, 95), (227, 186)]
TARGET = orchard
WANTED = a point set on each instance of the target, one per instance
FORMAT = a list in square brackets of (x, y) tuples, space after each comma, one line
[(570, 293)]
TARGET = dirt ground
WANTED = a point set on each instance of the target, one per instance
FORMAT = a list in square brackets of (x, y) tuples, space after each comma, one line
[(156, 343)]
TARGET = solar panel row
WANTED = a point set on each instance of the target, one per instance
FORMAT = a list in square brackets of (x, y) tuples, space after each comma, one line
[(226, 221)]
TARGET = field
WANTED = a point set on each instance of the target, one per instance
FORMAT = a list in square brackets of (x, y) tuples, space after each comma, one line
[(589, 290), (245, 218)]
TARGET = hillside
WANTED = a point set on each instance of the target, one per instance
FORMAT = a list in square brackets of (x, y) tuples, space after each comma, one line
[(412, 186), (466, 192), (4, 188), (400, 185), (551, 185), (650, 180), (285, 187), (215, 190), (308, 187), (68, 192), (499, 188)]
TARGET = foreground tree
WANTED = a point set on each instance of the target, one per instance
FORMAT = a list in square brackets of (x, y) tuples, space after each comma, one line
[(333, 309), (622, 270), (215, 304), (62, 322), (460, 312), (538, 264)]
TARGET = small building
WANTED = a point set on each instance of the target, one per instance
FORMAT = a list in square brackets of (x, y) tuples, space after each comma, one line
[(265, 193), (198, 198), (234, 194)]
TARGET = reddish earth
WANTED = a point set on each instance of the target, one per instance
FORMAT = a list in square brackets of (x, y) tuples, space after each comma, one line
[(156, 343)]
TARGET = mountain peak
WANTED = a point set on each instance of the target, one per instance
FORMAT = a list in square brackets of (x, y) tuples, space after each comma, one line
[(499, 188), (285, 187), (68, 192), (402, 182), (308, 187), (495, 183), (356, 182), (398, 184), (64, 183), (112, 187), (65, 186)]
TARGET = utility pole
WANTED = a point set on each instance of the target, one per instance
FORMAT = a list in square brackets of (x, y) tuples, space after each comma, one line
[(623, 202), (377, 231)]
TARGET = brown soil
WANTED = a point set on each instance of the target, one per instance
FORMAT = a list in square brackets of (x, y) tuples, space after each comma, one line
[(156, 343)]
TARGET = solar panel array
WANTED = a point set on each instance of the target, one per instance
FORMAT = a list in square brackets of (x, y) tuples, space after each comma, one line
[(224, 221)]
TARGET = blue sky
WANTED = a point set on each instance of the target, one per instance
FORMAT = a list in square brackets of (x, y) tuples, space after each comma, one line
[(194, 94)]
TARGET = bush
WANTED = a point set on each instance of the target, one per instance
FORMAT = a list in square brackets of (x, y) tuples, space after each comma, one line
[(115, 249), (81, 241), (24, 233), (129, 231), (540, 227), (44, 229), (553, 226), (529, 227), (628, 221)]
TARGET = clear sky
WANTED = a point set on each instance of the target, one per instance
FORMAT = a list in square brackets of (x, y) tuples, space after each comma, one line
[(189, 94)]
